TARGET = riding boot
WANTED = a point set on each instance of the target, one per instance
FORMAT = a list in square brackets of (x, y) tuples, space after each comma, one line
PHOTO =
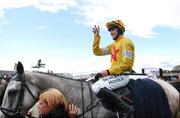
[(111, 98)]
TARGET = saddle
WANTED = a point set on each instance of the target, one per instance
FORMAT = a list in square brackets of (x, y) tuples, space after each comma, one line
[(124, 93)]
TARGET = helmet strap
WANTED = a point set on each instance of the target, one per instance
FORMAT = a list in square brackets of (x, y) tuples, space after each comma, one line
[(116, 37)]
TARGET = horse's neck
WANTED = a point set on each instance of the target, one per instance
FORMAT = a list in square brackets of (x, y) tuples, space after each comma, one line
[(76, 92), (44, 81), (72, 89)]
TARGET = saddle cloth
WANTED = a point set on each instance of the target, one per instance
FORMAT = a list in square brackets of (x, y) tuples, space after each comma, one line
[(149, 99)]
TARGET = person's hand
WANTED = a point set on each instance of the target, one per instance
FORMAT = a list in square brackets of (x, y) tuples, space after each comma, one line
[(96, 78), (104, 73), (73, 111), (100, 75), (96, 29)]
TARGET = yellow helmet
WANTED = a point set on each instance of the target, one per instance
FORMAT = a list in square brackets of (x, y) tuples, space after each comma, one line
[(116, 23)]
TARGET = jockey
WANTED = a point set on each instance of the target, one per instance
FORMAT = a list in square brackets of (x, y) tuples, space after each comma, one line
[(122, 59)]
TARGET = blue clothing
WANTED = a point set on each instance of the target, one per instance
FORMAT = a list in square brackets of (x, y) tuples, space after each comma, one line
[(150, 100)]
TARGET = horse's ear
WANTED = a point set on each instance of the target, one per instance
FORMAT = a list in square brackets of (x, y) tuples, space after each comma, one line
[(20, 68)]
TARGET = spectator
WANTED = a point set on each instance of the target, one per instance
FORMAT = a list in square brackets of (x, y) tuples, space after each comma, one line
[(178, 77), (53, 104), (6, 77), (3, 85)]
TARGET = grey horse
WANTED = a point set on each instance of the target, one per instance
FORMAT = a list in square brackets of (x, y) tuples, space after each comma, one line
[(24, 89)]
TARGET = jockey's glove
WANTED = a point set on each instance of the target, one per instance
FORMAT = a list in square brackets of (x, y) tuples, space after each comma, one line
[(100, 75), (104, 73), (96, 77)]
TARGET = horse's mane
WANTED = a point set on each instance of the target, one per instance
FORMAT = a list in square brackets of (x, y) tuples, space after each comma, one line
[(59, 76)]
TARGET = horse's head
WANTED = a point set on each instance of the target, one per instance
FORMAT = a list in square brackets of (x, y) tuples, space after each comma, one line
[(18, 97)]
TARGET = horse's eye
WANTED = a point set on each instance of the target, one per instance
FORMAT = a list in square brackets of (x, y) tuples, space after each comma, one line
[(11, 92)]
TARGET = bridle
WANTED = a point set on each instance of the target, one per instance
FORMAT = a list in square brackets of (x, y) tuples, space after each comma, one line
[(9, 112)]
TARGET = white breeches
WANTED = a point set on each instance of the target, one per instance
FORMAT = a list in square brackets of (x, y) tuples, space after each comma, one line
[(110, 82)]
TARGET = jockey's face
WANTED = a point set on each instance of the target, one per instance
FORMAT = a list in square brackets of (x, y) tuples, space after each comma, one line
[(114, 32)]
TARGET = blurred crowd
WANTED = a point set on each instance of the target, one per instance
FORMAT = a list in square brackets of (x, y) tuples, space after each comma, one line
[(4, 80)]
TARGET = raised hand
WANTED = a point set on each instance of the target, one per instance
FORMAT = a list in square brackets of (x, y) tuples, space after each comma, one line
[(96, 29)]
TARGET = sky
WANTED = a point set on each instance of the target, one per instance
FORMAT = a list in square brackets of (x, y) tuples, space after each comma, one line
[(59, 32)]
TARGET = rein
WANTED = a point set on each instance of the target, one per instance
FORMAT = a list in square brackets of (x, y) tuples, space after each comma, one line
[(82, 90), (90, 106)]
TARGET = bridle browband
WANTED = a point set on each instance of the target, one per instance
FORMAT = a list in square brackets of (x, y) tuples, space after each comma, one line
[(17, 111)]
